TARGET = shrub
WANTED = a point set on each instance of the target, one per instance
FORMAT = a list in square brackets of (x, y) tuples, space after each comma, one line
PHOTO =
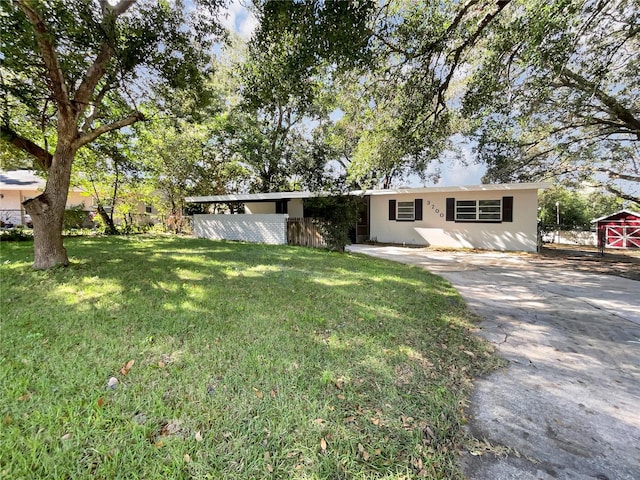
[(16, 234), (335, 217), (75, 217)]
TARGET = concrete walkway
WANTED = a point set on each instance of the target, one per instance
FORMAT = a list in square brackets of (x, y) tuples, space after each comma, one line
[(569, 402)]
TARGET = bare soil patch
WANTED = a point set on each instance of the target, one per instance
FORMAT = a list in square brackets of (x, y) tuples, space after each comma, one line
[(622, 263)]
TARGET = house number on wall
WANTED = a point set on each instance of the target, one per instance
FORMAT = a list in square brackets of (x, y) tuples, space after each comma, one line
[(435, 210)]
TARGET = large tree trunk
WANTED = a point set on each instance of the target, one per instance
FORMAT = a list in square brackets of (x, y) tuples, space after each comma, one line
[(47, 212)]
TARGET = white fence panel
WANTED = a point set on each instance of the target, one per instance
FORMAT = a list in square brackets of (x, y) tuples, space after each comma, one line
[(256, 228)]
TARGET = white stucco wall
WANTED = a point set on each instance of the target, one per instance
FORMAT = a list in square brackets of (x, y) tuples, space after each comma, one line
[(295, 208), (257, 228), (259, 207), (434, 230)]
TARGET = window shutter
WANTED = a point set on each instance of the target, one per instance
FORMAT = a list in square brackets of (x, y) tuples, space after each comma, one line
[(417, 205), (507, 209), (392, 209), (451, 209)]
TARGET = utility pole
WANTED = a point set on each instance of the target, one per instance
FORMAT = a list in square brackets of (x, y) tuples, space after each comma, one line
[(558, 219)]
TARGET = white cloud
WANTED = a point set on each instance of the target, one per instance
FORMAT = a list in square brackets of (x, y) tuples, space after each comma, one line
[(455, 172), (237, 18)]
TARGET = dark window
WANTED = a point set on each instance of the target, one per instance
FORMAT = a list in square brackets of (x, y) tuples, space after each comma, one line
[(392, 209), (281, 206), (507, 209), (451, 209), (418, 208)]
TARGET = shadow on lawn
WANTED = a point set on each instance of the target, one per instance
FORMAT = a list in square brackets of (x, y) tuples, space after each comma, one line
[(375, 340)]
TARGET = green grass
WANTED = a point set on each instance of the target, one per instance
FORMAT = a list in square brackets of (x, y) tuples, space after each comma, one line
[(251, 361)]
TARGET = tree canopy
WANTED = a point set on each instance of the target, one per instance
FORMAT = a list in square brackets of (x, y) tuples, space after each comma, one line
[(556, 95)]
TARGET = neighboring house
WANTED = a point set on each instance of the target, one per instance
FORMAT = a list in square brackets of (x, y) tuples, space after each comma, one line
[(16, 186), (495, 217), (619, 230)]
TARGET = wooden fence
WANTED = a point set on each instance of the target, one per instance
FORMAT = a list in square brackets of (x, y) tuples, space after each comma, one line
[(304, 232)]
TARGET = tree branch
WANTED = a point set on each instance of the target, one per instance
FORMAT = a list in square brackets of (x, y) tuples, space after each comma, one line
[(26, 145), (95, 108), (94, 74), (618, 176), (571, 79), (92, 135), (469, 42), (616, 191), (97, 70), (55, 76), (117, 9)]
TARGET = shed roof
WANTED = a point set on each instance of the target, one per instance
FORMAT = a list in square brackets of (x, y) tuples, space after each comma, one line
[(261, 197), (606, 217)]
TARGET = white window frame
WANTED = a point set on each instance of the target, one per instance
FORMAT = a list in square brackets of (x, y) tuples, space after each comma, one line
[(405, 211), (478, 210)]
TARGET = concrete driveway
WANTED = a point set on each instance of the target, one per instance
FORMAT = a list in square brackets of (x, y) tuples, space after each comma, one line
[(568, 405)]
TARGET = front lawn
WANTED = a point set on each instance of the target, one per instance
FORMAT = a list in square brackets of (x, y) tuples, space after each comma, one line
[(232, 361)]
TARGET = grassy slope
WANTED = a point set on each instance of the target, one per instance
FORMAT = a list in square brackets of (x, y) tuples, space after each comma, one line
[(251, 361)]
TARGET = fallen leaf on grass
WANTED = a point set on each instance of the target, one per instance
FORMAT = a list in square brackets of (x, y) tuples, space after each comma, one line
[(198, 436), (100, 402), (269, 468), (428, 432), (126, 367), (471, 354), (24, 397), (363, 452), (66, 436), (257, 392), (323, 445), (187, 457), (319, 421)]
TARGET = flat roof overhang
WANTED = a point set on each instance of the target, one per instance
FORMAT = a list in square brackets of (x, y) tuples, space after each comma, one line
[(275, 196)]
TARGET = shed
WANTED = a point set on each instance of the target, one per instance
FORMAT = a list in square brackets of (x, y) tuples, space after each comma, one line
[(619, 230)]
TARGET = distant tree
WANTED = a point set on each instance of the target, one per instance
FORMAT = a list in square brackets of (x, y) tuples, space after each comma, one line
[(106, 171), (182, 159), (577, 208), (89, 64)]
